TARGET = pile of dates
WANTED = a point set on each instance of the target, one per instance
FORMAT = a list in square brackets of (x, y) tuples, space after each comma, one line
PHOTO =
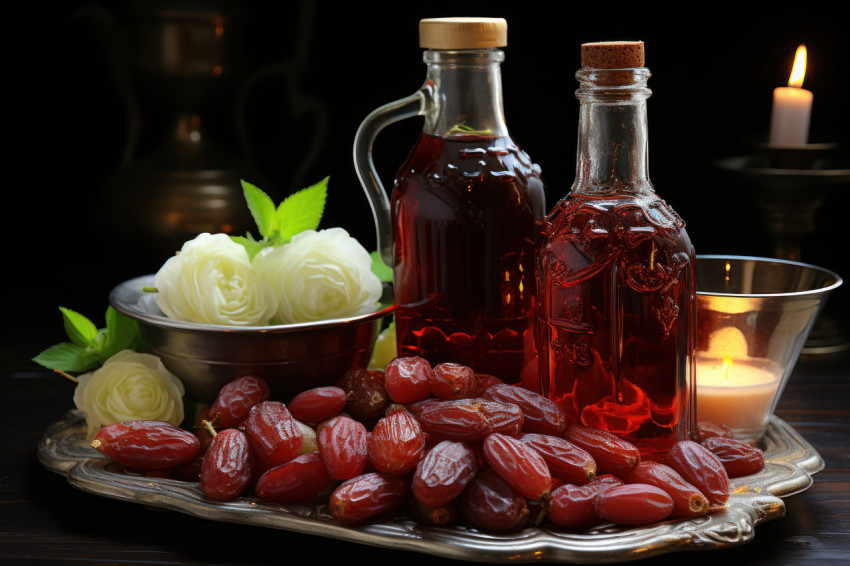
[(441, 444)]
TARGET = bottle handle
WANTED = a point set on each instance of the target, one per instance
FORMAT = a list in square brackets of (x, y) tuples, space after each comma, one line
[(414, 105)]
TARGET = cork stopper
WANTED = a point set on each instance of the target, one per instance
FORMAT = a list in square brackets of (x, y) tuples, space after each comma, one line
[(612, 55), (463, 33)]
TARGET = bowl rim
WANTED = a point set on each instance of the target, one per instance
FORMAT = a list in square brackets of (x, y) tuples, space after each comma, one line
[(822, 290), (132, 288)]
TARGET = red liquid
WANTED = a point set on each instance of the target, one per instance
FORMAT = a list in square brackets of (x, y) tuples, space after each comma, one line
[(616, 317), (466, 215)]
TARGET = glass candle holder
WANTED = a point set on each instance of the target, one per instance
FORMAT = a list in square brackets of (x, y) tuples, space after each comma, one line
[(753, 318)]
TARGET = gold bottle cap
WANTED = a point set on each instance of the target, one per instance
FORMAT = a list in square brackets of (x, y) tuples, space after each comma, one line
[(612, 55), (463, 33)]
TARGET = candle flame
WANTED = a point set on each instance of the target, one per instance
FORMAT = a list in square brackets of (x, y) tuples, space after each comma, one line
[(728, 269), (798, 72), (727, 365)]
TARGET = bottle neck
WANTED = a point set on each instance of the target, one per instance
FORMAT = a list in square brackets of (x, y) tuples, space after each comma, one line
[(466, 88), (612, 141)]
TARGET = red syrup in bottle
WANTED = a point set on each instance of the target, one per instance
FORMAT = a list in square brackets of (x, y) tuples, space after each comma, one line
[(466, 217), (616, 303), (616, 276)]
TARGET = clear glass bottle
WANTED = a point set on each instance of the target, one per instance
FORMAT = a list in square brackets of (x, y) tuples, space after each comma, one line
[(466, 208), (616, 304)]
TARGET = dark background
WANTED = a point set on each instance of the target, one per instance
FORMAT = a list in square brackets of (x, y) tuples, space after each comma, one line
[(714, 67)]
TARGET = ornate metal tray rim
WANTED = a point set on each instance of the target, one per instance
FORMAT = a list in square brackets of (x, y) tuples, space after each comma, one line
[(790, 463)]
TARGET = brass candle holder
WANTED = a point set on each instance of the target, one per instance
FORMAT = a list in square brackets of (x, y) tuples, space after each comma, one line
[(788, 185)]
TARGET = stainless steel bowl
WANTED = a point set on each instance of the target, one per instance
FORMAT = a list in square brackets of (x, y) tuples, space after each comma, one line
[(290, 357)]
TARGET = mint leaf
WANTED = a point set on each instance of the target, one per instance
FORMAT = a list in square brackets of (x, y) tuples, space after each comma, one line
[(302, 210), (251, 245), (381, 269), (262, 209), (79, 329), (120, 334), (67, 357)]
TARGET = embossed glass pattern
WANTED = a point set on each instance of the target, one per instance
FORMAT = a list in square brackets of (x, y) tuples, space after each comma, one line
[(466, 209), (615, 274)]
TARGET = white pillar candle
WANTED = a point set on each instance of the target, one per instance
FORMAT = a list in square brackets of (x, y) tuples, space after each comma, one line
[(792, 107), (789, 122)]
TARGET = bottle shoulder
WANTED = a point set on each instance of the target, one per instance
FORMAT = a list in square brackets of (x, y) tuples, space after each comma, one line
[(613, 212), (469, 162)]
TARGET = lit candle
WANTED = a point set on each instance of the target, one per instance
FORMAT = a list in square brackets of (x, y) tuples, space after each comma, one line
[(734, 388), (737, 394), (792, 107)]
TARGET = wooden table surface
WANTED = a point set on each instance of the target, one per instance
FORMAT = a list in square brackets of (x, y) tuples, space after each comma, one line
[(45, 520)]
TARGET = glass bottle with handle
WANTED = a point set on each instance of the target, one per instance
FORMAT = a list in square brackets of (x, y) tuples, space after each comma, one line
[(464, 217), (616, 304)]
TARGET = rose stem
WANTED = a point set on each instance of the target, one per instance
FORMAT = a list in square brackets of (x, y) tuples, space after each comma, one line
[(66, 376)]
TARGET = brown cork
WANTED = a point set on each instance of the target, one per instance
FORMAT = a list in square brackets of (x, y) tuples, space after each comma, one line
[(613, 55)]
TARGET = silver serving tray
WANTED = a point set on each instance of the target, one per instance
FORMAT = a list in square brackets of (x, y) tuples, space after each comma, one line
[(790, 464)]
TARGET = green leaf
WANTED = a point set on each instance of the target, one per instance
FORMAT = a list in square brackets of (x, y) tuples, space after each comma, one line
[(262, 209), (381, 269), (251, 245), (302, 210), (67, 357), (80, 330), (120, 334)]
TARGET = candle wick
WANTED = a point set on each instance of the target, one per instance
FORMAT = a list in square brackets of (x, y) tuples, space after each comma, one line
[(727, 363)]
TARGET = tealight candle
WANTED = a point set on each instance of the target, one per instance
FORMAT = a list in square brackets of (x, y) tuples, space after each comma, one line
[(792, 107), (738, 394)]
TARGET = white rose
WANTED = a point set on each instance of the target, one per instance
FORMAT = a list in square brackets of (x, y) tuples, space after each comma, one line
[(129, 386), (319, 276), (211, 280)]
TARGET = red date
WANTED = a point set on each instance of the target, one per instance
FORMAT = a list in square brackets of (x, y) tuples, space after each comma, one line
[(709, 429), (452, 381), (688, 501), (274, 435), (490, 503), (738, 458), (236, 398), (572, 505), (443, 474), (702, 469), (565, 460), (343, 447), (483, 381), (408, 379), (300, 479), (226, 469), (455, 420), (146, 445), (366, 397), (518, 464), (504, 418), (366, 496), (396, 443), (541, 415), (633, 504), (612, 454), (317, 404)]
